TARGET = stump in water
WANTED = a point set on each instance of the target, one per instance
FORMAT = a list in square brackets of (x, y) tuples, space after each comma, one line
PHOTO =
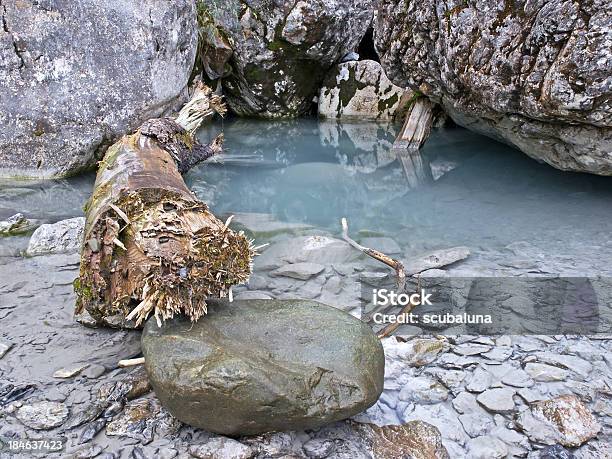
[(150, 246)]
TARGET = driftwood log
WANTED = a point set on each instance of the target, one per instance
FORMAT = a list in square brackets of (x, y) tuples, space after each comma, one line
[(150, 246)]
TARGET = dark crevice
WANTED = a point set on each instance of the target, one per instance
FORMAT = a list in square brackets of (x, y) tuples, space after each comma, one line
[(6, 29), (366, 47)]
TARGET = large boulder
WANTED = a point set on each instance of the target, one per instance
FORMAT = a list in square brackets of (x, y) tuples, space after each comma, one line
[(533, 74), (254, 366), (272, 56), (77, 74), (359, 90)]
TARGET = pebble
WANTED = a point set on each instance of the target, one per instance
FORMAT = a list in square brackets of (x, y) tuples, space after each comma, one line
[(497, 400), (518, 378), (545, 373), (480, 381), (65, 373), (43, 415), (94, 371), (487, 447)]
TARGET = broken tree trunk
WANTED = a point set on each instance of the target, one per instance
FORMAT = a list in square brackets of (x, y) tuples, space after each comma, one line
[(150, 246)]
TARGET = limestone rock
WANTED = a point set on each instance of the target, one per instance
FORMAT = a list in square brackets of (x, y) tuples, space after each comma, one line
[(359, 90), (536, 76), (497, 400), (264, 365), (414, 439), (76, 75), (272, 56), (43, 415), (563, 419), (62, 237)]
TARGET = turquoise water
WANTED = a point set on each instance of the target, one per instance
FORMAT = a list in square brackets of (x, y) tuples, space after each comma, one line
[(462, 189)]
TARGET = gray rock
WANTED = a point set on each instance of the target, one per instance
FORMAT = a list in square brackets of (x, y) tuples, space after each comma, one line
[(555, 452), (436, 259), (480, 381), (517, 378), (16, 224), (318, 448), (64, 373), (142, 419), (77, 75), (43, 415), (4, 348), (221, 448), (476, 424), (497, 400), (252, 295), (423, 390), (62, 237), (545, 373), (273, 55), (359, 90), (563, 420), (576, 364), (264, 365), (302, 271), (487, 447), (545, 94)]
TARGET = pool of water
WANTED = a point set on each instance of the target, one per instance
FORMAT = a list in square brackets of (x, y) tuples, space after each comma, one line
[(461, 189)]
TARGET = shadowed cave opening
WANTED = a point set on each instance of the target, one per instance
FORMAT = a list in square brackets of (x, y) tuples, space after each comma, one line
[(366, 47)]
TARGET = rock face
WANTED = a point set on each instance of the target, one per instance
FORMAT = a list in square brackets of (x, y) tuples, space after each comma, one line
[(77, 74), (359, 90), (535, 75), (262, 365), (273, 55), (62, 237)]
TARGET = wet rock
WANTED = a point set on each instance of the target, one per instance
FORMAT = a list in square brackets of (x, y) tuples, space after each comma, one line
[(252, 295), (545, 373), (89, 452), (65, 373), (416, 352), (221, 448), (318, 448), (436, 259), (517, 378), (91, 430), (273, 45), (385, 245), (555, 452), (487, 447), (525, 98), (43, 415), (423, 390), (359, 90), (94, 371), (60, 109), (302, 271), (264, 365), (416, 439), (4, 348), (15, 224), (497, 400), (141, 419), (563, 420), (62, 237)]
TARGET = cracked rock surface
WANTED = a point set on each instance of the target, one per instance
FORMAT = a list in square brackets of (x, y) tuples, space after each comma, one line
[(536, 75), (78, 74)]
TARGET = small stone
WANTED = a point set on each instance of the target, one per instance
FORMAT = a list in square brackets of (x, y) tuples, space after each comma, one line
[(352, 56), (555, 452), (166, 453), (15, 224), (140, 419), (529, 395), (436, 259), (480, 381), (65, 373), (416, 439), (89, 452), (545, 373), (221, 448), (517, 378), (576, 364), (302, 271), (318, 448), (469, 349), (497, 400), (476, 424), (487, 448), (4, 348), (93, 371), (465, 402), (62, 237), (43, 415), (498, 354), (417, 352), (423, 390)]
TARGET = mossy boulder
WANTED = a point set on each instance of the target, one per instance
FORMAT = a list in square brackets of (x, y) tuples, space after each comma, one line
[(272, 56), (254, 366)]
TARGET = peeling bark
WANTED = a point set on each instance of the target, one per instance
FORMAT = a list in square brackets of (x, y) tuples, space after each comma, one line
[(150, 246)]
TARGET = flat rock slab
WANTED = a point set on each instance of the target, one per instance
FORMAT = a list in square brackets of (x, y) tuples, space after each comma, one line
[(256, 366)]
